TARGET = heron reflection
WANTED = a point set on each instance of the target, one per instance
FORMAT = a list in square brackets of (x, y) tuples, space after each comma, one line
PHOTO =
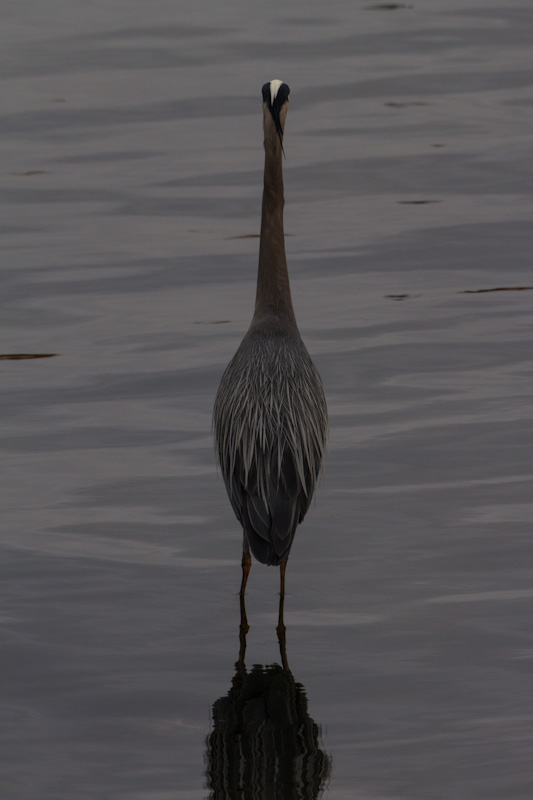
[(263, 743)]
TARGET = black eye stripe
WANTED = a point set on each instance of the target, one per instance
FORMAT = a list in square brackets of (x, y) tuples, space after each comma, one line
[(282, 95)]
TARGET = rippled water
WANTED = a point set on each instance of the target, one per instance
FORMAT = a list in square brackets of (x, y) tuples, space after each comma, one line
[(131, 136)]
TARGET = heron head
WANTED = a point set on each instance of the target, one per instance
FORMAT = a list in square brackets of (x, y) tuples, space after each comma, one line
[(276, 103)]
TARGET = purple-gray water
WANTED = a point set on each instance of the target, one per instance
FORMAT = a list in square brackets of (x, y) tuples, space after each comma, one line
[(130, 198)]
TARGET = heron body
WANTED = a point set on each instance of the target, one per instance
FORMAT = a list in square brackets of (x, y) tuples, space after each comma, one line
[(270, 415)]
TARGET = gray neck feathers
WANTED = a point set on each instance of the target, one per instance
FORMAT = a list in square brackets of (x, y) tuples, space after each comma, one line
[(273, 289)]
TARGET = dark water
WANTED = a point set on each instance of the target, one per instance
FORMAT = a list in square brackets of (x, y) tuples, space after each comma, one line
[(132, 158)]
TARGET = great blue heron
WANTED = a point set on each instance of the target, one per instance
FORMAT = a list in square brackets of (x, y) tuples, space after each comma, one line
[(270, 415)]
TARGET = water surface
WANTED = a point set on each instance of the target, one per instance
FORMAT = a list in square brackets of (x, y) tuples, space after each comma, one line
[(130, 209)]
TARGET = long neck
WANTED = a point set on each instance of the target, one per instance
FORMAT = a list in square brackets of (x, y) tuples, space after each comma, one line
[(273, 296)]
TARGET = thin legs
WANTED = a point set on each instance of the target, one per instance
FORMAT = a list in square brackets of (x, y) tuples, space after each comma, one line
[(282, 568), (281, 625), (244, 627), (243, 630), (246, 563)]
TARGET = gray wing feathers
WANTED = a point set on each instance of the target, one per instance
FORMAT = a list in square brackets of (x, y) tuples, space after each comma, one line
[(270, 523), (270, 423)]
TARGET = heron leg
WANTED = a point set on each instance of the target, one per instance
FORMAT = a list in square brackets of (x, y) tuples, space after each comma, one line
[(282, 639), (282, 568), (243, 630), (246, 563), (281, 625)]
